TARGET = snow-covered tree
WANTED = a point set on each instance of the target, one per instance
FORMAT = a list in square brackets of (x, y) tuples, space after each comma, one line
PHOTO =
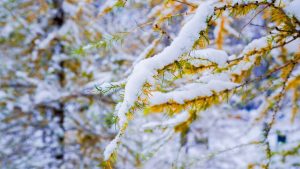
[(226, 56), (149, 84)]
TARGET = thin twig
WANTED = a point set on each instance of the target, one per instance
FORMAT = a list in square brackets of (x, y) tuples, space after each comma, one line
[(252, 24), (186, 3), (285, 43), (275, 112), (253, 18), (266, 75)]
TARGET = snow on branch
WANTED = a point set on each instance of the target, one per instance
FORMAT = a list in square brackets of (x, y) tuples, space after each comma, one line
[(181, 49), (147, 68), (192, 91), (213, 55), (292, 9)]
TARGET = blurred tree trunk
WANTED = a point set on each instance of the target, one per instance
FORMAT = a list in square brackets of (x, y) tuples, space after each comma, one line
[(58, 21)]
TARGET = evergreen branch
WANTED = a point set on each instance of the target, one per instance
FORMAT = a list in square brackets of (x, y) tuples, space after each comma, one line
[(253, 18), (268, 74), (273, 47)]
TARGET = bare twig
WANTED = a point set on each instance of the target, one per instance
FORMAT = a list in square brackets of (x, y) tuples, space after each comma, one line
[(253, 18), (266, 75), (186, 3)]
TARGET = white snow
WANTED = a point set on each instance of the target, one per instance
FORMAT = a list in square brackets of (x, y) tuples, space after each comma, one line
[(245, 65), (148, 67), (145, 69), (292, 9), (70, 8), (111, 147), (190, 92), (256, 44), (217, 76), (46, 93), (2, 94), (45, 43), (213, 55)]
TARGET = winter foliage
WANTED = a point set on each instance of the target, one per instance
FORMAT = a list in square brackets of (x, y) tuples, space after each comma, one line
[(150, 84)]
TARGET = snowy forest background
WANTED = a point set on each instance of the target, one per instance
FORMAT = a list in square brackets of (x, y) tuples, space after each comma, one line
[(182, 84)]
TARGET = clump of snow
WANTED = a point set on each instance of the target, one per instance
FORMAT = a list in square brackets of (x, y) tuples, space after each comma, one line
[(213, 55), (245, 65), (111, 147), (190, 92), (293, 46), (256, 44), (292, 9), (218, 76)]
